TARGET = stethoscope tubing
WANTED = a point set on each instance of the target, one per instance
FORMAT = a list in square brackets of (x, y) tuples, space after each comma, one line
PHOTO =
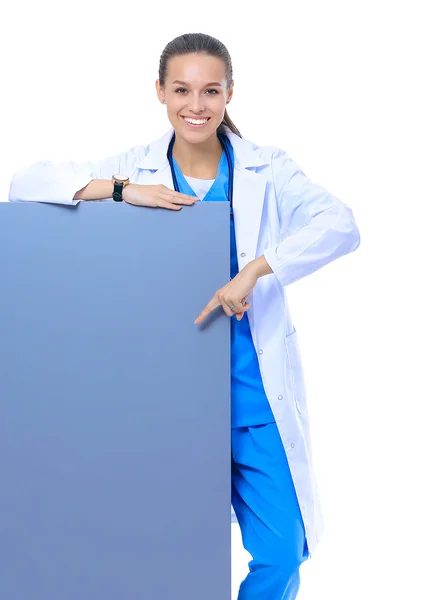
[(229, 162)]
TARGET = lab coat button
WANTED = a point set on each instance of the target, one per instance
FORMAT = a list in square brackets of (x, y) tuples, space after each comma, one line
[(292, 445), (280, 397), (243, 254), (259, 351)]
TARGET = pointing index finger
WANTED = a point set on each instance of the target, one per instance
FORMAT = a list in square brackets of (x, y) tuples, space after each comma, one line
[(207, 310)]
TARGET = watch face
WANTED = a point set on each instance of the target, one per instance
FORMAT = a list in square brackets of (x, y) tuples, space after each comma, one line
[(121, 178)]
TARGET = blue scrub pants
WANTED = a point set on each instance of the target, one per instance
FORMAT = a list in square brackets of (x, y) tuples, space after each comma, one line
[(267, 509)]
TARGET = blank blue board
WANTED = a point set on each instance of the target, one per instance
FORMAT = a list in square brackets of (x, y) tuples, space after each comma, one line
[(114, 407)]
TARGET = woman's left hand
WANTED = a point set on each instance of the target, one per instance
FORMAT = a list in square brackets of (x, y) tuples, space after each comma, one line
[(233, 293)]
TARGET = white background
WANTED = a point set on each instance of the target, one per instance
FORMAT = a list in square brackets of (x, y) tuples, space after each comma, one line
[(352, 91)]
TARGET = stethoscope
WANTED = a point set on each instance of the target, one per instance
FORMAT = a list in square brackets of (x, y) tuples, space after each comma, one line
[(222, 140)]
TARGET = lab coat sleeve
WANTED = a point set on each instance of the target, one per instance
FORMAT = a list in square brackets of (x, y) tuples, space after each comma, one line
[(316, 227), (46, 181)]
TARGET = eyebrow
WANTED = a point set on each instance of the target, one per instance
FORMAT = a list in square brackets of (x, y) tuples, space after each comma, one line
[(207, 84)]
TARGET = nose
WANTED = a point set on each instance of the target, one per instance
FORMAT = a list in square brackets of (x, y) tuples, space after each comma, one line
[(196, 104)]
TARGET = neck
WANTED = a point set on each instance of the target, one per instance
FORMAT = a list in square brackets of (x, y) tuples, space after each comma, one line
[(198, 160)]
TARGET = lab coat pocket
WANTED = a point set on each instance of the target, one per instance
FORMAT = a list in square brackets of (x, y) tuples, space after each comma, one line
[(296, 372)]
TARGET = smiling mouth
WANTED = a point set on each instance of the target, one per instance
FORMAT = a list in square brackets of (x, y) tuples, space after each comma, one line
[(196, 122)]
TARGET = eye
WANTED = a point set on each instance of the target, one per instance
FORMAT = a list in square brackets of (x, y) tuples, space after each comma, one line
[(179, 90)]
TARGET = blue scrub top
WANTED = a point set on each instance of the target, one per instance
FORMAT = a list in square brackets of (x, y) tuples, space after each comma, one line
[(249, 403)]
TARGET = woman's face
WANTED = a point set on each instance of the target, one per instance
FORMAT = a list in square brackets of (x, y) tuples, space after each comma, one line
[(195, 88)]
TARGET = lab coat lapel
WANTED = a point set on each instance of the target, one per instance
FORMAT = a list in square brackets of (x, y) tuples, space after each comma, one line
[(156, 161), (248, 199), (162, 176), (249, 188)]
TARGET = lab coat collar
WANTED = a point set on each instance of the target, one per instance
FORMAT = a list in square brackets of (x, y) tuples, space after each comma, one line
[(245, 156)]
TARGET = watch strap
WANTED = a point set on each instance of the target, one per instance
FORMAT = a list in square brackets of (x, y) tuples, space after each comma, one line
[(119, 185), (117, 195)]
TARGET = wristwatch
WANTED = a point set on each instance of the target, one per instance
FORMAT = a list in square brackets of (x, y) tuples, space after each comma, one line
[(119, 181)]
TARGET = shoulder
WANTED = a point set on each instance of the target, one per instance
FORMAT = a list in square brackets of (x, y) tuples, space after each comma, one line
[(276, 159), (275, 163), (135, 153)]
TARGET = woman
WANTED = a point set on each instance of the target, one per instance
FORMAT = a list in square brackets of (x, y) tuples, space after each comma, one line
[(283, 227)]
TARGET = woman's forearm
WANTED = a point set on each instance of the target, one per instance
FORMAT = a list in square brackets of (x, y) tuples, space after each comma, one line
[(97, 189)]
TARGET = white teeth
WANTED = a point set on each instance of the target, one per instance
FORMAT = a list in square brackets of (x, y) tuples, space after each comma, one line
[(196, 121)]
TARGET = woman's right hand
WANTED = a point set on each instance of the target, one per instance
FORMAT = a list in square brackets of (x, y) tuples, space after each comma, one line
[(156, 196)]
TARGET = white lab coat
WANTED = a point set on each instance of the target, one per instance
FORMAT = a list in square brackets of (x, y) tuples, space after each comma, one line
[(298, 226)]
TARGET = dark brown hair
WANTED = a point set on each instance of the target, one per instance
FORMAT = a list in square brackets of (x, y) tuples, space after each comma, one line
[(201, 43)]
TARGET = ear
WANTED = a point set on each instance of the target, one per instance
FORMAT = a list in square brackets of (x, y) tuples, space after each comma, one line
[(230, 92), (160, 92)]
